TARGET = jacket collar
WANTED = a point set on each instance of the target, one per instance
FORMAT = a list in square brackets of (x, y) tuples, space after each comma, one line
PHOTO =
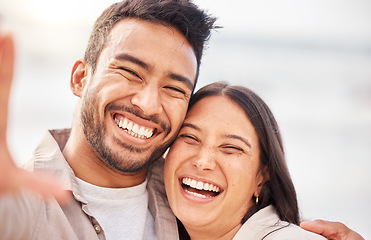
[(48, 157), (261, 224)]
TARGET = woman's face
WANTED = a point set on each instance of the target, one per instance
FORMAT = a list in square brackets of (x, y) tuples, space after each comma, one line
[(212, 169)]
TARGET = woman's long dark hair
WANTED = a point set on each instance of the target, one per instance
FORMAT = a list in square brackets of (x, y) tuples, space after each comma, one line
[(279, 189)]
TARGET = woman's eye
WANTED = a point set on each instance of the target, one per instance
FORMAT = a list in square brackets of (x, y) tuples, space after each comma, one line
[(232, 149), (188, 138)]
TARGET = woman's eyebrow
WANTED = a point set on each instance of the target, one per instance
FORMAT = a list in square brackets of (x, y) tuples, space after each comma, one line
[(190, 125), (247, 142)]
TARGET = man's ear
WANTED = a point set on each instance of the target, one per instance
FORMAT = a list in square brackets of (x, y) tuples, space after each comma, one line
[(78, 77)]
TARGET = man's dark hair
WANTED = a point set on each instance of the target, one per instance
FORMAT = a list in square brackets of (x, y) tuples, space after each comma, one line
[(194, 23)]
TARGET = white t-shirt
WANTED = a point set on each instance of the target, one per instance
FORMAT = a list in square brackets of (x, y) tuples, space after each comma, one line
[(121, 212)]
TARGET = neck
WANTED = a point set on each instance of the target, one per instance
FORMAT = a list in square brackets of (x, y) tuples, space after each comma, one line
[(219, 233), (88, 165)]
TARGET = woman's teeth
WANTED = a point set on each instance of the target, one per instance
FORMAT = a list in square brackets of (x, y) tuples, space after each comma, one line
[(196, 194), (134, 129), (200, 185)]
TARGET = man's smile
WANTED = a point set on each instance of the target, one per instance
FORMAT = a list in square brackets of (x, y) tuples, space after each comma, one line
[(133, 128)]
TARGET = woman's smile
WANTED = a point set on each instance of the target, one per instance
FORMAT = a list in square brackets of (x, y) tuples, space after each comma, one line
[(200, 189)]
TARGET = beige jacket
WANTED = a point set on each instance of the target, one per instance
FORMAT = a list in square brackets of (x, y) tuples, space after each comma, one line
[(26, 216), (265, 224)]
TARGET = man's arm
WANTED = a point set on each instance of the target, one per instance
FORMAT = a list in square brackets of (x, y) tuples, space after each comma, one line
[(331, 230), (12, 178)]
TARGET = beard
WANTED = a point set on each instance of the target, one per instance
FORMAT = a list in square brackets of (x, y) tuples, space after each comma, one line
[(134, 159)]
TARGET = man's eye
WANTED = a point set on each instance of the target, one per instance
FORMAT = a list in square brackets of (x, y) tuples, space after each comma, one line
[(177, 90), (130, 72)]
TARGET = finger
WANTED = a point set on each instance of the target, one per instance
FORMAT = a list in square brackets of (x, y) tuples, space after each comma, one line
[(13, 179), (45, 185), (6, 56), (320, 227), (6, 76)]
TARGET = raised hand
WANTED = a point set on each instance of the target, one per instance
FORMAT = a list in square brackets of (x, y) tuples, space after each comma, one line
[(12, 178)]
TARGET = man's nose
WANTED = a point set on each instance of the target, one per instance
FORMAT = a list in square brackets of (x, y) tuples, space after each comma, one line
[(148, 100)]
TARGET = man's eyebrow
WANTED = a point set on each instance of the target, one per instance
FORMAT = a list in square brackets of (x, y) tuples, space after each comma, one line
[(131, 58), (135, 60), (182, 79), (247, 142)]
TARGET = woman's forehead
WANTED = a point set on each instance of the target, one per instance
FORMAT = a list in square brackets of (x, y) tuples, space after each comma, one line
[(219, 113)]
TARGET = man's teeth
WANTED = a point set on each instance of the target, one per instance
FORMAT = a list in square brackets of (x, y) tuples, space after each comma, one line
[(134, 129), (200, 185)]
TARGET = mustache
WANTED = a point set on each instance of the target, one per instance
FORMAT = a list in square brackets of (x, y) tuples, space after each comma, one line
[(139, 113)]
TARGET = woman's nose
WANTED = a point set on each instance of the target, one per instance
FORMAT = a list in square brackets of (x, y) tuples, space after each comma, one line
[(205, 159)]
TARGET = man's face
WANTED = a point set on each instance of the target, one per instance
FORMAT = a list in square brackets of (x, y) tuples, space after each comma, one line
[(136, 100)]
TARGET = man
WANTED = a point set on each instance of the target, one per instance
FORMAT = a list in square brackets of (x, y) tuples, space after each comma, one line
[(134, 84)]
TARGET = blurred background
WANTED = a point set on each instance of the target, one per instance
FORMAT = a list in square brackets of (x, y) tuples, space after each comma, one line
[(310, 60)]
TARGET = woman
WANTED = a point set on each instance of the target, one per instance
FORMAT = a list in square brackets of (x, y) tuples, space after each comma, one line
[(226, 175)]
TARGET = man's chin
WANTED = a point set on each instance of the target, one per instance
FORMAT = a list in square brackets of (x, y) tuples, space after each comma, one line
[(130, 171), (129, 159), (128, 165)]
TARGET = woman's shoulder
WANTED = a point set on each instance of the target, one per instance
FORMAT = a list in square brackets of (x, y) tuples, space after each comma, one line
[(265, 224), (292, 231)]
